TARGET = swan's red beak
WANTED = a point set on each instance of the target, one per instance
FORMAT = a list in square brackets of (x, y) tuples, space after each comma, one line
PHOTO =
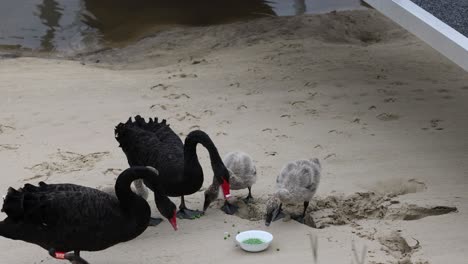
[(173, 221), (226, 189)]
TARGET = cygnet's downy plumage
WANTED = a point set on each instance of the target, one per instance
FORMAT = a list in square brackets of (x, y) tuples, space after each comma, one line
[(242, 175), (296, 183)]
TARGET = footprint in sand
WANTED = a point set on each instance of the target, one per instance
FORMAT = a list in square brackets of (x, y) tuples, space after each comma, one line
[(6, 128), (9, 147), (112, 172), (240, 107), (356, 120), (186, 116), (435, 124), (66, 162), (177, 96), (199, 61), (310, 84), (185, 75), (224, 122), (208, 112), (311, 95), (390, 100), (252, 92), (388, 117), (163, 107), (294, 123), (164, 87), (298, 103), (270, 130), (380, 77), (387, 92)]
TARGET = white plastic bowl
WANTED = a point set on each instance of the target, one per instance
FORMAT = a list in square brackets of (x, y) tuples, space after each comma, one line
[(262, 235)]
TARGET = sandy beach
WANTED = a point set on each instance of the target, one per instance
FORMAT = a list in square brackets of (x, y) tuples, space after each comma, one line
[(385, 114)]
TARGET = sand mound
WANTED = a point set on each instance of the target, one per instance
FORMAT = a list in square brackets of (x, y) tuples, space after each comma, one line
[(181, 44), (343, 210)]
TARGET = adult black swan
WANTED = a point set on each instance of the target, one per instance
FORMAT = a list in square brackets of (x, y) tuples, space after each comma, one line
[(154, 144), (66, 217)]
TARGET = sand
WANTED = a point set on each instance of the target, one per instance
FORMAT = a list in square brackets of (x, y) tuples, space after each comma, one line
[(384, 113)]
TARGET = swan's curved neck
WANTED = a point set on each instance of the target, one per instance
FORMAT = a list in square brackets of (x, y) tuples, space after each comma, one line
[(191, 141), (123, 190)]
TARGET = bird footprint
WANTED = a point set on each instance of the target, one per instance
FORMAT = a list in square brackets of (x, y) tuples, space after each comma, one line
[(177, 96), (9, 146), (5, 128), (160, 85)]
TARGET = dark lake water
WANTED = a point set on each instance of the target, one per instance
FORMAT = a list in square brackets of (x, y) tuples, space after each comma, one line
[(75, 25)]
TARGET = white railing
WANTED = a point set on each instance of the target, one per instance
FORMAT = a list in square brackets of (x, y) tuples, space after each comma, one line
[(427, 27)]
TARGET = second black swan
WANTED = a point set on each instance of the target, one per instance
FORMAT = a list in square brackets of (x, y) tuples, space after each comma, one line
[(71, 218)]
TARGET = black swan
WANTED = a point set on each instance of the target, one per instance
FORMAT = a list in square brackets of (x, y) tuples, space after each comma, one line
[(67, 217), (154, 144)]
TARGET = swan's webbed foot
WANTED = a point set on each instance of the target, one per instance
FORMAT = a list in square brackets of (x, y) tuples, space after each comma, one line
[(229, 209), (249, 197), (185, 213), (301, 218), (155, 221), (74, 257)]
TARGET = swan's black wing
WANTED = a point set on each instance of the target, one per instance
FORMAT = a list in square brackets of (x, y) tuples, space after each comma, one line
[(63, 216), (152, 144), (161, 130), (63, 187)]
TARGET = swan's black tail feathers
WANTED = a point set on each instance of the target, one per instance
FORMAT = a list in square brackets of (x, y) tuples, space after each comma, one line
[(152, 126), (25, 202), (160, 129), (31, 188), (13, 204)]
